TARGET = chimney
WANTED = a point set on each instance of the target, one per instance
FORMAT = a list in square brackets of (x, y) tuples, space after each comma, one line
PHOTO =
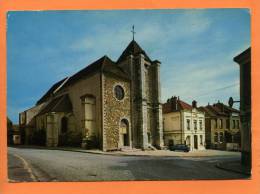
[(194, 104), (174, 103)]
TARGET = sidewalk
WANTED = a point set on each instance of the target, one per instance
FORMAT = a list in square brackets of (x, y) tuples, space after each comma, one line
[(137, 152), (18, 170), (234, 166)]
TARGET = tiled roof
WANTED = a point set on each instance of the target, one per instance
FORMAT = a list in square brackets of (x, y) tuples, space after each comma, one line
[(218, 109), (230, 109), (50, 91), (104, 64), (132, 49), (173, 104), (207, 111), (167, 108), (59, 104), (99, 65), (183, 105)]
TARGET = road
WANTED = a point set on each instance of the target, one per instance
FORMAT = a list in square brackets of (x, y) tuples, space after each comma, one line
[(57, 165)]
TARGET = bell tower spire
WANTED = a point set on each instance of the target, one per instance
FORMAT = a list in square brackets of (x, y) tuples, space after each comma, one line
[(133, 31)]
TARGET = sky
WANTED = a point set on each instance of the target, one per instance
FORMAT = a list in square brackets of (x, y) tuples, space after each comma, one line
[(196, 48)]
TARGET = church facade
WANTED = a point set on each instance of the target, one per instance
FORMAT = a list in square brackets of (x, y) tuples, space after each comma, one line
[(111, 104)]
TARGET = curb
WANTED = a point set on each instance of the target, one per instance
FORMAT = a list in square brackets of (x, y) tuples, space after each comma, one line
[(232, 170), (88, 152), (111, 153)]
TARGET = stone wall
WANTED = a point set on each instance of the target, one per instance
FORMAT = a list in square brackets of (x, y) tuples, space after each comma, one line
[(91, 85), (88, 86), (145, 102), (27, 122), (114, 111)]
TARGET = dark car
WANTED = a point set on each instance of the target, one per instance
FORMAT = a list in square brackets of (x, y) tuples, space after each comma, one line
[(180, 147)]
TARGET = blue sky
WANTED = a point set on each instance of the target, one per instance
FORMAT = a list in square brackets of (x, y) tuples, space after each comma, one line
[(196, 48)]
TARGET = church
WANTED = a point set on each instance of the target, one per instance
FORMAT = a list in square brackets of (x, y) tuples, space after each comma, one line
[(113, 105)]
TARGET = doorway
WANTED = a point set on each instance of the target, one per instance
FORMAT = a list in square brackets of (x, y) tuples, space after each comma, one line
[(188, 140), (124, 133), (195, 142), (64, 125)]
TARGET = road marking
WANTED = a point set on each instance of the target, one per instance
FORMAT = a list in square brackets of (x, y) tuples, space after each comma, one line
[(26, 166)]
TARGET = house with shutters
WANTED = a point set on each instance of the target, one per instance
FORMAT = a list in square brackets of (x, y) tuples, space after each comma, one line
[(222, 125), (183, 124)]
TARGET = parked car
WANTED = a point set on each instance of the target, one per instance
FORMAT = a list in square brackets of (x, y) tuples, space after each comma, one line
[(180, 147)]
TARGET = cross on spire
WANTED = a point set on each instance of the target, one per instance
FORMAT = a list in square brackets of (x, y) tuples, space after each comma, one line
[(133, 31)]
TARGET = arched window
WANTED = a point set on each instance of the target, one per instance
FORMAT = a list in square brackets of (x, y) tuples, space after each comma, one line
[(64, 124), (188, 124), (220, 123), (216, 123), (200, 124)]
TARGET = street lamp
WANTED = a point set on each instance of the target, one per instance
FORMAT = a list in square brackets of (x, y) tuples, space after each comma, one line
[(231, 101)]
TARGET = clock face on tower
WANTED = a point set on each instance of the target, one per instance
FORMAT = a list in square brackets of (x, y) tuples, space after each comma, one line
[(119, 92)]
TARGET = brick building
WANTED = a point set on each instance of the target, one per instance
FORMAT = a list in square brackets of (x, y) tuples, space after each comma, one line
[(109, 104)]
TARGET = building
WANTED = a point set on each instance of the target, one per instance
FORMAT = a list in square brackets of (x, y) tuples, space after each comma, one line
[(16, 135), (183, 124), (222, 126), (244, 61), (109, 105), (9, 132), (13, 133), (27, 123)]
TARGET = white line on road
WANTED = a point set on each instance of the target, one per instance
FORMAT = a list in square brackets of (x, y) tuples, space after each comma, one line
[(26, 166)]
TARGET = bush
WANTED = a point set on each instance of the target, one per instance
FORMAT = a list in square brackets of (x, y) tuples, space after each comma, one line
[(70, 138)]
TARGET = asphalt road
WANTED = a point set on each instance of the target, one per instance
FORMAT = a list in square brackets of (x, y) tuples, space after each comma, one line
[(56, 165)]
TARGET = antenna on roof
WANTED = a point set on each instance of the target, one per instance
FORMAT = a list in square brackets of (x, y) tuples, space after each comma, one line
[(133, 31)]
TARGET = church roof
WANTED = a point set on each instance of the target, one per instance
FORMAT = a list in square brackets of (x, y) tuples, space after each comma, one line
[(59, 104), (104, 64), (50, 91), (132, 49)]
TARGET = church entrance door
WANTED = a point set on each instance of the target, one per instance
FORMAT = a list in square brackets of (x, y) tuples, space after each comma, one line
[(124, 133)]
